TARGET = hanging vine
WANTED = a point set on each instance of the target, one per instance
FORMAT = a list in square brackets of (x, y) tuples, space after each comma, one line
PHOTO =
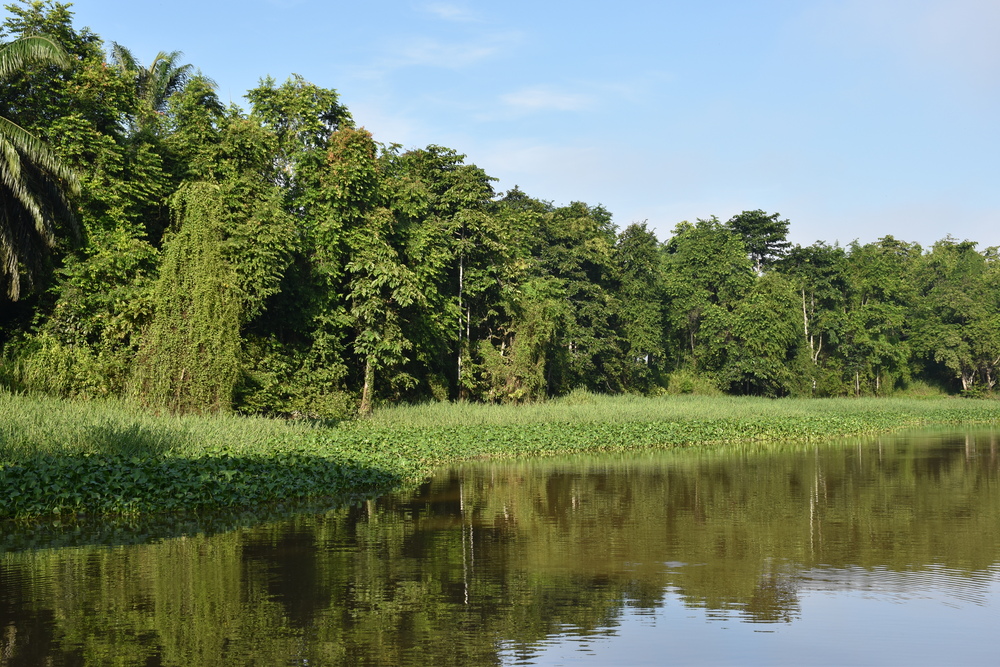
[(189, 358)]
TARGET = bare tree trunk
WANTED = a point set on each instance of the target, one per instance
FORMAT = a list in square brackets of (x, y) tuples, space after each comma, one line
[(366, 390), (461, 343), (805, 324)]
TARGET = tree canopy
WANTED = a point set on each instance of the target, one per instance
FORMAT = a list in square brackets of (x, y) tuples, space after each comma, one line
[(280, 260)]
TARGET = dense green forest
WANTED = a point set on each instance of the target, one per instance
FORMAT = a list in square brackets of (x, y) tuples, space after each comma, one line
[(281, 261)]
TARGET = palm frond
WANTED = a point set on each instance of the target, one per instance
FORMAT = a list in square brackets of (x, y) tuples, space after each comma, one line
[(122, 58), (33, 181), (14, 57), (38, 152)]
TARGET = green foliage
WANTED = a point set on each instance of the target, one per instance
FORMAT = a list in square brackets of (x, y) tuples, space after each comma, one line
[(98, 457), (957, 316), (640, 294), (34, 183), (686, 381), (153, 85), (575, 246), (189, 357), (302, 116), (753, 350), (872, 338), (707, 272), (285, 382), (515, 372), (282, 262), (763, 235)]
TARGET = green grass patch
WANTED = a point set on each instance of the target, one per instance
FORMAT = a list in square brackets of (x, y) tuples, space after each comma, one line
[(69, 458)]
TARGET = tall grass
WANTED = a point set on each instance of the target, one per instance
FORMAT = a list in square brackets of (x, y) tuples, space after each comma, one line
[(40, 425), (584, 407)]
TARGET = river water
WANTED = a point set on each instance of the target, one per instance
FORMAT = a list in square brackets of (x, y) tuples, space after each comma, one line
[(882, 551)]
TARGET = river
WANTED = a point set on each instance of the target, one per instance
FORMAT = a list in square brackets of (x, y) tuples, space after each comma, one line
[(870, 551)]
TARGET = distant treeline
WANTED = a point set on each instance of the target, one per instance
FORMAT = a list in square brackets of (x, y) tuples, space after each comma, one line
[(280, 261)]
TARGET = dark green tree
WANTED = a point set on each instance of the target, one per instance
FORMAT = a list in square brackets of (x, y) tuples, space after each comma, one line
[(638, 269), (765, 236), (872, 329), (956, 319), (707, 272), (574, 245)]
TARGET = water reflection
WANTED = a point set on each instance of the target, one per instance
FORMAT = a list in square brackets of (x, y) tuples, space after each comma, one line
[(507, 562)]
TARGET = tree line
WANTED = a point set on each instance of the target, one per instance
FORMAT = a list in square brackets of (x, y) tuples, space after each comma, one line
[(279, 260)]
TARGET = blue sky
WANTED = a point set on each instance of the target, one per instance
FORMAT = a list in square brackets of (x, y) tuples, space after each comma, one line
[(854, 119)]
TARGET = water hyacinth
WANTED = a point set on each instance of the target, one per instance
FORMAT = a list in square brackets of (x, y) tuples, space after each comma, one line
[(64, 458)]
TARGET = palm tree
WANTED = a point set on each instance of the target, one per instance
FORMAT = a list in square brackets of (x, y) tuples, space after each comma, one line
[(33, 181), (154, 84)]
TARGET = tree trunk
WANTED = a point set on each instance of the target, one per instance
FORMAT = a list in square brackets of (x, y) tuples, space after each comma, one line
[(366, 390), (461, 341)]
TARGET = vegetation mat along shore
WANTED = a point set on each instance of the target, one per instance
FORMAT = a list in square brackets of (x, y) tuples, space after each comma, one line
[(91, 458)]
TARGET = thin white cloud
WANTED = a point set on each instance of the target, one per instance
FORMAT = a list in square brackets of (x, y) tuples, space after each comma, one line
[(434, 53), (450, 12), (546, 98), (429, 52)]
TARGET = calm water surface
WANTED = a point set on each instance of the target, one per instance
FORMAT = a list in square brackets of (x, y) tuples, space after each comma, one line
[(882, 551)]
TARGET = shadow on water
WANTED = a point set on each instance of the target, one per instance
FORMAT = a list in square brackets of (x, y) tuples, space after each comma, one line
[(117, 531), (126, 498)]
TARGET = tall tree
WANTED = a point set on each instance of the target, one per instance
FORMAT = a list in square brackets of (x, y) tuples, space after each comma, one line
[(818, 273), (956, 321), (752, 347), (303, 116), (765, 236), (574, 244), (380, 284), (872, 329), (154, 85), (457, 248), (522, 310), (707, 272), (638, 266), (33, 181)]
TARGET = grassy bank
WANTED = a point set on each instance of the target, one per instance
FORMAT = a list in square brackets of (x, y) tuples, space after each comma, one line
[(59, 457)]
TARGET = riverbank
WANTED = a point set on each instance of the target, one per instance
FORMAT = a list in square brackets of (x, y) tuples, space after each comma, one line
[(107, 457)]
